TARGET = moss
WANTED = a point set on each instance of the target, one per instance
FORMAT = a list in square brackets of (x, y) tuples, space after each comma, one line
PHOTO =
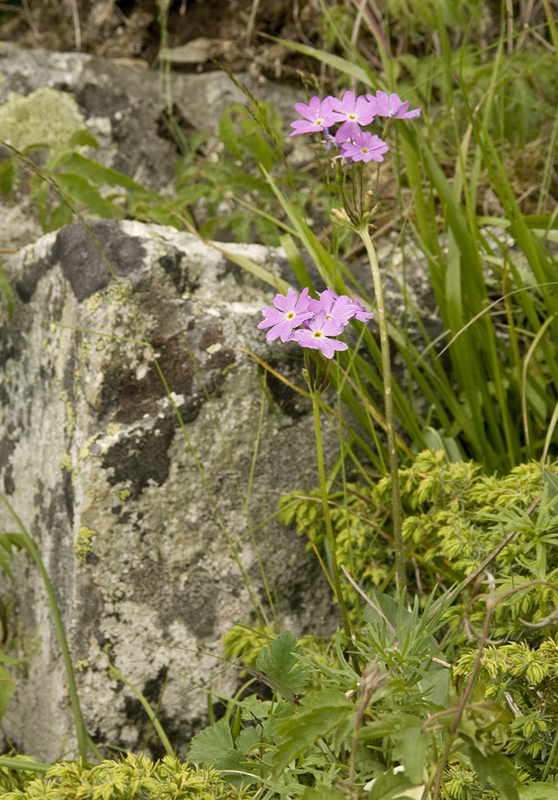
[(46, 116), (82, 544)]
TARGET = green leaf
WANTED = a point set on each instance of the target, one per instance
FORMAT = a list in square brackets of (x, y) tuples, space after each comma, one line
[(8, 175), (263, 152), (551, 480), (322, 792), (227, 134), (215, 746), (83, 138), (410, 749), (6, 290), (279, 662), (80, 190), (495, 768), (318, 714), (295, 259), (76, 164), (7, 686), (60, 216), (392, 785), (539, 791), (6, 659)]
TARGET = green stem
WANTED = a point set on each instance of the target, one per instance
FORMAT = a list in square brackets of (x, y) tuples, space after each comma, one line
[(327, 518), (82, 737), (400, 576)]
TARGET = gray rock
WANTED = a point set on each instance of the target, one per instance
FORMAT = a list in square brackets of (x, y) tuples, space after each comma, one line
[(122, 106), (138, 514)]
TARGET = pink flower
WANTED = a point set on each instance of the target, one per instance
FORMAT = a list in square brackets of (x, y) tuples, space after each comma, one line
[(340, 308), (289, 312), (352, 112), (392, 106), (316, 336), (317, 116), (366, 147)]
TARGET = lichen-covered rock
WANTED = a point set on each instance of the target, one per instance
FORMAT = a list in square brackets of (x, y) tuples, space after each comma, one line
[(139, 448), (122, 106)]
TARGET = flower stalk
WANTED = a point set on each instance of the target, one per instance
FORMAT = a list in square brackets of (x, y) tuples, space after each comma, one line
[(397, 518)]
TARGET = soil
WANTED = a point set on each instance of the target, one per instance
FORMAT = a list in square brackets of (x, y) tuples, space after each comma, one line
[(230, 32)]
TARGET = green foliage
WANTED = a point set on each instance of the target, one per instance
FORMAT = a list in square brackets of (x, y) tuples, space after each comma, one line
[(454, 517), (132, 778), (13, 777)]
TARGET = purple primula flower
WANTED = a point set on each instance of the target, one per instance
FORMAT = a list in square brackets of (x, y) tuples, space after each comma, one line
[(352, 112), (338, 308), (317, 116), (289, 312), (341, 308), (392, 106), (328, 141), (316, 336), (366, 147), (361, 313)]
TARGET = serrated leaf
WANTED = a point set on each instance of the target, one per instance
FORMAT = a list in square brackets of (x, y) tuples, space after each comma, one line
[(215, 746), (318, 715), (279, 663), (247, 739)]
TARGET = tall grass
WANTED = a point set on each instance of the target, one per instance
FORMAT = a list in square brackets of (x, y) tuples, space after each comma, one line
[(494, 277)]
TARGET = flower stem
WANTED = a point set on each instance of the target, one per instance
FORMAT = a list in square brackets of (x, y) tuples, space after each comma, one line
[(327, 518), (400, 576)]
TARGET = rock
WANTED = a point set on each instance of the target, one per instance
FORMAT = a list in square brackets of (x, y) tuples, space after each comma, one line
[(134, 491), (123, 107)]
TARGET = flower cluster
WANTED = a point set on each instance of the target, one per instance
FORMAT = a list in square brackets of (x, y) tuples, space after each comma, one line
[(353, 113), (319, 320)]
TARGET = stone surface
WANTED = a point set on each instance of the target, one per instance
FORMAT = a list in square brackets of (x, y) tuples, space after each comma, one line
[(122, 107), (138, 514)]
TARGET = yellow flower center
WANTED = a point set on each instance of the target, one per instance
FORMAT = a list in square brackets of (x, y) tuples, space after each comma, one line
[(317, 334), (290, 315)]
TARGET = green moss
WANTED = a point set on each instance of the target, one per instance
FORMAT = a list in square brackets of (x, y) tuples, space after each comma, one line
[(46, 116)]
